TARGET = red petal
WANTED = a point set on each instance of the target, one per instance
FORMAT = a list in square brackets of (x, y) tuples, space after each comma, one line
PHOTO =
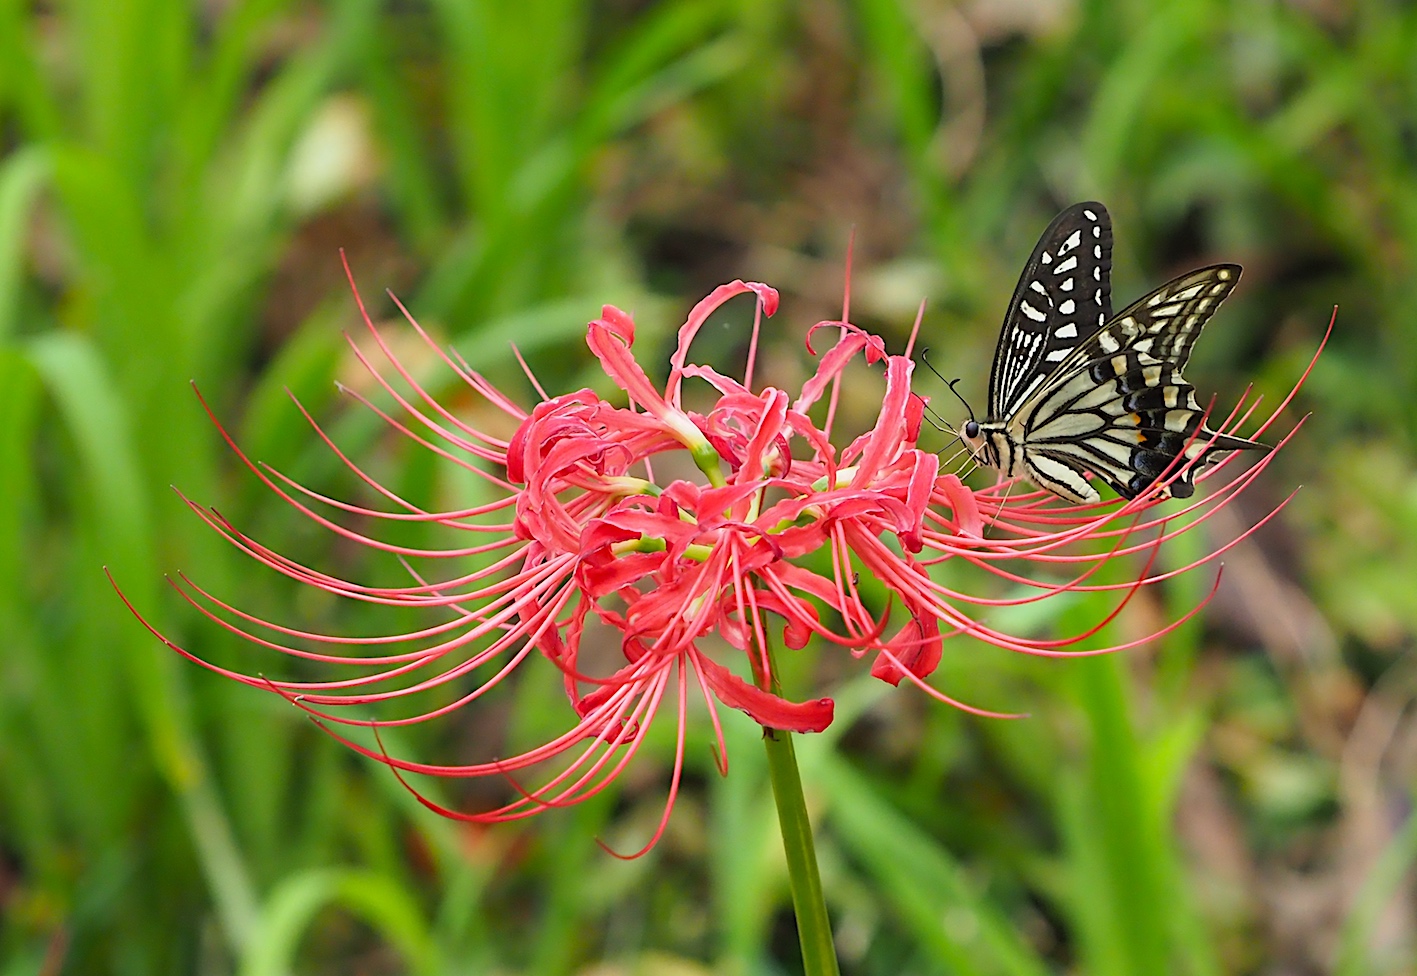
[(767, 296), (962, 502), (762, 707)]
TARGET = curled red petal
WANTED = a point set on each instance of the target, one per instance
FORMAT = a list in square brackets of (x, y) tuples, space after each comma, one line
[(963, 504), (767, 298), (763, 707)]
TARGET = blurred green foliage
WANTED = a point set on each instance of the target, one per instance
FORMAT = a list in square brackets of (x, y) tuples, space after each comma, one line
[(177, 178)]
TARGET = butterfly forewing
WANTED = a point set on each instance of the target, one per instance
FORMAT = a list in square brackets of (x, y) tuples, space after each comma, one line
[(1118, 405), (1165, 323), (1062, 299)]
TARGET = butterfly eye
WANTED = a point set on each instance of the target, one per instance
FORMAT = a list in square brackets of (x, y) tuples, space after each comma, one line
[(971, 429)]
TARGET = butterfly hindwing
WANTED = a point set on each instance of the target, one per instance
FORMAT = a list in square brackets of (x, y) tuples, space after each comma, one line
[(1119, 407), (1062, 299)]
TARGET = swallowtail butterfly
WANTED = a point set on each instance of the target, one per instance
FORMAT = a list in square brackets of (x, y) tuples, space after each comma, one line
[(1075, 389)]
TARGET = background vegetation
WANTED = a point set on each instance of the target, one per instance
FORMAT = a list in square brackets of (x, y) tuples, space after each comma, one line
[(177, 178)]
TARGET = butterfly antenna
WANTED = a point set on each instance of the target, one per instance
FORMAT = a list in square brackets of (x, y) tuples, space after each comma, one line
[(951, 385), (925, 358), (937, 421)]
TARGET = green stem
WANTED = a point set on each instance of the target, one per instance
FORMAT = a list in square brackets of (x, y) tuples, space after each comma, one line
[(814, 928)]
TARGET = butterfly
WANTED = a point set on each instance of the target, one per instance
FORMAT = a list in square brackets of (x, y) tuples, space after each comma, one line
[(1075, 389)]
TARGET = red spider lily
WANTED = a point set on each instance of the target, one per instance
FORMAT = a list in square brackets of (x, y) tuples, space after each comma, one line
[(588, 533)]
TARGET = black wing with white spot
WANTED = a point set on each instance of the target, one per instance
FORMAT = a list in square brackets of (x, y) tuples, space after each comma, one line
[(1119, 406), (1063, 297)]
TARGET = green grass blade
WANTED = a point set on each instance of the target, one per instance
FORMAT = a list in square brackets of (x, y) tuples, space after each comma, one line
[(1123, 815), (19, 407), (22, 176), (26, 800), (294, 904), (1382, 883), (952, 924), (94, 414), (22, 84), (745, 866), (136, 56)]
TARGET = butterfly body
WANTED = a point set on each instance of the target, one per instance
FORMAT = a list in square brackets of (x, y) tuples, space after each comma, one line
[(1075, 390)]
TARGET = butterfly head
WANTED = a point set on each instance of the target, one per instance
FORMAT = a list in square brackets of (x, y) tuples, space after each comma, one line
[(976, 438), (973, 437)]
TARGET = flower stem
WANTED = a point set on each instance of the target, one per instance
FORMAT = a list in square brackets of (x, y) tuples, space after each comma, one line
[(814, 929)]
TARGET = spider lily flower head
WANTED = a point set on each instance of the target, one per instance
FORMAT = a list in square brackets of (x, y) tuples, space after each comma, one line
[(583, 537)]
